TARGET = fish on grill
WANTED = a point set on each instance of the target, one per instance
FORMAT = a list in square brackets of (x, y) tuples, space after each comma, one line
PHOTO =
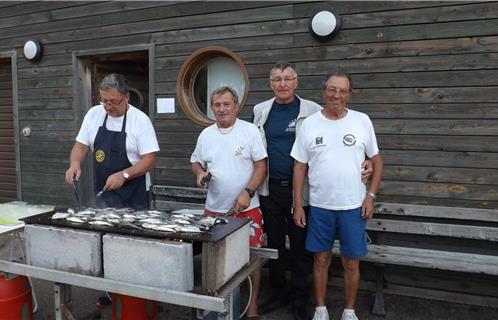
[(140, 219), (75, 219), (60, 215)]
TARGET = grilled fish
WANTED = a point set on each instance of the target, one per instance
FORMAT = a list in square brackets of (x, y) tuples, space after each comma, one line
[(60, 215), (75, 219), (100, 223)]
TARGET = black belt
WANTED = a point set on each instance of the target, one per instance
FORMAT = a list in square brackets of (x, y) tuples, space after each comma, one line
[(281, 182)]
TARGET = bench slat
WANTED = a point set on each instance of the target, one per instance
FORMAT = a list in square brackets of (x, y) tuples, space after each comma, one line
[(165, 205), (182, 192), (459, 213), (432, 259), (434, 229)]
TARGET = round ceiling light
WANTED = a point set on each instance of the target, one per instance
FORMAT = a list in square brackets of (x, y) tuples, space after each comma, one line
[(324, 25), (32, 50)]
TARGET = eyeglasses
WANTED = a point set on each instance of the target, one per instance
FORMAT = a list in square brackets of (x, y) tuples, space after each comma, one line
[(111, 103), (285, 80), (333, 91)]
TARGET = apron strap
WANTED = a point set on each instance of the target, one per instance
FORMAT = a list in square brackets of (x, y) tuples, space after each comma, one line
[(123, 128), (105, 121)]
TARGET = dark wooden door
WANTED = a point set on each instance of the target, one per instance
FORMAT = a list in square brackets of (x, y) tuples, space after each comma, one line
[(133, 65), (8, 182)]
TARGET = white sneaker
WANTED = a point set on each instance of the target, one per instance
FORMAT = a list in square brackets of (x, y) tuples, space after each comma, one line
[(349, 316), (321, 313)]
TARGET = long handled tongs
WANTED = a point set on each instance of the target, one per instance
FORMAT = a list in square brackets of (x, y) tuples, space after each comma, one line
[(76, 194)]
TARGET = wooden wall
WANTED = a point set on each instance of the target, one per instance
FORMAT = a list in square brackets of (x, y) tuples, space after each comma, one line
[(424, 71)]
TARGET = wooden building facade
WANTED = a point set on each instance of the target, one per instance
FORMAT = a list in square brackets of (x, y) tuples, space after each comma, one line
[(426, 72)]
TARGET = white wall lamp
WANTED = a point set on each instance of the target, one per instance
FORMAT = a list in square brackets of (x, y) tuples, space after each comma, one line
[(32, 50), (324, 25)]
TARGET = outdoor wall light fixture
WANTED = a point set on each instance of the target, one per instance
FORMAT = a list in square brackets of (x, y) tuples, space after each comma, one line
[(32, 50), (324, 25)]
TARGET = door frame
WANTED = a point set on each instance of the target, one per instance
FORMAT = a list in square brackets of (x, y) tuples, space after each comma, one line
[(12, 54), (82, 99)]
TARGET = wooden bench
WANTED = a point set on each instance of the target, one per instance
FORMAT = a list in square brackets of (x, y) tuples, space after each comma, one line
[(476, 228), (415, 236)]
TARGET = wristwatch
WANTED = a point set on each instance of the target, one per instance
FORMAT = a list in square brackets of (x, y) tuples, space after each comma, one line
[(250, 192), (126, 175)]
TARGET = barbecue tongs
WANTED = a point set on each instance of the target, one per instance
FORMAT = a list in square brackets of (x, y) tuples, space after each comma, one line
[(76, 194)]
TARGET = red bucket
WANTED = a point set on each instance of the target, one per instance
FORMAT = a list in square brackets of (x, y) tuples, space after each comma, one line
[(15, 298), (132, 308)]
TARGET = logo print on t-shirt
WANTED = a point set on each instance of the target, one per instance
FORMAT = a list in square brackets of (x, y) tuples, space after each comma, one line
[(318, 141), (239, 151), (349, 140), (291, 127)]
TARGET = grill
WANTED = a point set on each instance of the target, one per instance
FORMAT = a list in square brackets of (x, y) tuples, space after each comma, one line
[(215, 234), (101, 250)]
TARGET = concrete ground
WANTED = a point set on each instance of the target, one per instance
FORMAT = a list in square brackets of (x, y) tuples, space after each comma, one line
[(397, 307)]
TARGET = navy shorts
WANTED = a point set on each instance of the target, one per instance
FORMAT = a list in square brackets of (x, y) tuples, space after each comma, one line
[(322, 227)]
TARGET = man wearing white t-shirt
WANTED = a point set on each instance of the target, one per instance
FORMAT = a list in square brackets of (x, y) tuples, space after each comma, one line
[(230, 160), (330, 147), (124, 146)]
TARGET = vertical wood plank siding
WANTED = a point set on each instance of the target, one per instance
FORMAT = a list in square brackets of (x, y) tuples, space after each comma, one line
[(425, 72)]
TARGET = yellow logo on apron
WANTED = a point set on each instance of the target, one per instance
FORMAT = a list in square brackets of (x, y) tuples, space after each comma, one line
[(99, 155)]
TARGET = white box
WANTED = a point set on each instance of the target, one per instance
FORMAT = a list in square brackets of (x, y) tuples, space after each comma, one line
[(149, 262), (64, 249)]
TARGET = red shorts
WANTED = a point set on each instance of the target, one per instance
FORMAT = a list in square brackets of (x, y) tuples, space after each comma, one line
[(257, 236)]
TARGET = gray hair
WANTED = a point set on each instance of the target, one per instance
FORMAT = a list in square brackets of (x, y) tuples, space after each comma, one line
[(340, 75), (115, 81), (222, 90), (282, 65)]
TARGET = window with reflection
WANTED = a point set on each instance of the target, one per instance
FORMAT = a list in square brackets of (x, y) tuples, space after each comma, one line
[(203, 72)]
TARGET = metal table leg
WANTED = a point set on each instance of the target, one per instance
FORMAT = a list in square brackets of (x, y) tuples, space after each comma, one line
[(233, 303), (233, 306), (17, 242), (62, 296)]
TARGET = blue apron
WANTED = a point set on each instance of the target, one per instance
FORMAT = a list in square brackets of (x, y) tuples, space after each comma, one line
[(109, 157)]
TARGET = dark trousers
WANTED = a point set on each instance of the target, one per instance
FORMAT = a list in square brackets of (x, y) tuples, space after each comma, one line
[(278, 223)]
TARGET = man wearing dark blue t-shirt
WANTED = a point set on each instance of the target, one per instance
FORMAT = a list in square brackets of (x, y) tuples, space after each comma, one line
[(278, 119)]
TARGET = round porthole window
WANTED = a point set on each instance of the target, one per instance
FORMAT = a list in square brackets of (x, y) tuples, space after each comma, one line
[(204, 71)]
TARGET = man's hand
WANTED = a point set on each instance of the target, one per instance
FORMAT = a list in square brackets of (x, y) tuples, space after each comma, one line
[(367, 208), (299, 217), (366, 171), (77, 157), (241, 203), (201, 179), (73, 173), (114, 181)]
